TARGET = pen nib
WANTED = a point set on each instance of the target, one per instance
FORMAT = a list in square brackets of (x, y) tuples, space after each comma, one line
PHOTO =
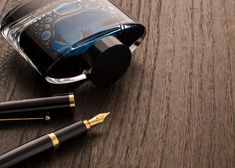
[(98, 119)]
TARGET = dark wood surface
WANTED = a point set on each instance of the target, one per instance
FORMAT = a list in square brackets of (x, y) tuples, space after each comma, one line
[(175, 107)]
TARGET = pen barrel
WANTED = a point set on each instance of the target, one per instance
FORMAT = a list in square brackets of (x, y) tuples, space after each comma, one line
[(25, 151), (42, 143), (37, 107), (71, 131)]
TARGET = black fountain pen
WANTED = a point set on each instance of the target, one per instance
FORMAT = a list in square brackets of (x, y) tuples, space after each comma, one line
[(48, 141)]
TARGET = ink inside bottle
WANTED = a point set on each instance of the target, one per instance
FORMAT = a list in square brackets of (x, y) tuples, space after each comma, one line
[(54, 36)]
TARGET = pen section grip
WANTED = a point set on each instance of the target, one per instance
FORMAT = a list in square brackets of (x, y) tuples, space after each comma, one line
[(71, 131), (25, 151)]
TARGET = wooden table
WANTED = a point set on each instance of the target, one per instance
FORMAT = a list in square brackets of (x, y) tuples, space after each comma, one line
[(175, 107)]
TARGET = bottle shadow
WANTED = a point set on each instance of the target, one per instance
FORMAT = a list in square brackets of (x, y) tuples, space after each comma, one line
[(90, 99)]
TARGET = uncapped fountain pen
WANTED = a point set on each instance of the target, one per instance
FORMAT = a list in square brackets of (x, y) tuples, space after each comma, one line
[(48, 141)]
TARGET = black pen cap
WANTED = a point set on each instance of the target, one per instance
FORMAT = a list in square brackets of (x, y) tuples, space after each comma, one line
[(37, 108)]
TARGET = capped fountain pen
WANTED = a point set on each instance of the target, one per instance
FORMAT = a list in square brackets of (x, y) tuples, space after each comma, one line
[(48, 141), (37, 108)]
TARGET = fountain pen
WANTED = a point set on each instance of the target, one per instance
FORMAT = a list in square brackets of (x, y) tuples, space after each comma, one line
[(48, 141)]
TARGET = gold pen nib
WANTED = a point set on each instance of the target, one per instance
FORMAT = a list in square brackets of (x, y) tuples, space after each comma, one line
[(98, 119)]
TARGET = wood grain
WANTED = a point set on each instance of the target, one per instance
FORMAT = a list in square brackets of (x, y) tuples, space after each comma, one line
[(175, 107)]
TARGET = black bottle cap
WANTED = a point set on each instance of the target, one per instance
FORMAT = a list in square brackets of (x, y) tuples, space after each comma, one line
[(109, 59)]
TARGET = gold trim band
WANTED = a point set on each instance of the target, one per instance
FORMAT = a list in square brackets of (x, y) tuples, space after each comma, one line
[(87, 124), (72, 103), (54, 140)]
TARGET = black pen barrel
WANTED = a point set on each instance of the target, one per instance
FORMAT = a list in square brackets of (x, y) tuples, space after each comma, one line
[(25, 151), (52, 140)]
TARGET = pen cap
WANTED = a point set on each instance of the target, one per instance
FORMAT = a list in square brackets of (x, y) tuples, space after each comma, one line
[(37, 108), (109, 59)]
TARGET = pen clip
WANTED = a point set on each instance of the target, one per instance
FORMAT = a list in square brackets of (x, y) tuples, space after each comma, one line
[(46, 118)]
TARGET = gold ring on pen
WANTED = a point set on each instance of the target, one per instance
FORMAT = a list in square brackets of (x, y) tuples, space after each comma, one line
[(54, 140), (72, 103)]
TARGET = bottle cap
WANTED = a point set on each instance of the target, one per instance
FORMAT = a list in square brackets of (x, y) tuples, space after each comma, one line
[(109, 59)]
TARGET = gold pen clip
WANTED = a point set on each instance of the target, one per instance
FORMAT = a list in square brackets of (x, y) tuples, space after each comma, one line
[(46, 119)]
